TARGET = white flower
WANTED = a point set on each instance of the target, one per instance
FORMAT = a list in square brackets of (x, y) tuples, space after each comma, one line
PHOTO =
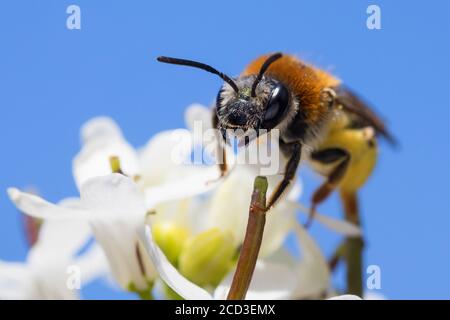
[(115, 210), (51, 263), (110, 205), (156, 164), (102, 139), (277, 277)]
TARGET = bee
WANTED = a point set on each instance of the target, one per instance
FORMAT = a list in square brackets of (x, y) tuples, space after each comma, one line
[(316, 116)]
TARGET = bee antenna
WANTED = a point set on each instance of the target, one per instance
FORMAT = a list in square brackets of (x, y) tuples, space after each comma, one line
[(263, 69), (195, 64)]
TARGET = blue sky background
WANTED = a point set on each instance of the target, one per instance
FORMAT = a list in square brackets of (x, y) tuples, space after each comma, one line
[(53, 79)]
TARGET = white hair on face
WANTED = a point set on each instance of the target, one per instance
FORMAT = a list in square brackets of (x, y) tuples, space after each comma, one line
[(227, 93)]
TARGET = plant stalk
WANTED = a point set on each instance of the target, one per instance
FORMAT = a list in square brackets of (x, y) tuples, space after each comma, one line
[(354, 246), (252, 241)]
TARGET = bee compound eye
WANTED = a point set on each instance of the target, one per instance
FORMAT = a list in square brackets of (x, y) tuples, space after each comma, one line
[(277, 104)]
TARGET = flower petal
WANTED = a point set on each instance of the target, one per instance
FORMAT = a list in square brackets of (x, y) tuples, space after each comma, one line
[(40, 208), (195, 182), (197, 112), (117, 245), (99, 128), (102, 140), (340, 226), (313, 271), (163, 154), (113, 195), (169, 274), (16, 281), (59, 240), (230, 202), (13, 293), (199, 121), (229, 211), (64, 238), (92, 264), (12, 271), (118, 212)]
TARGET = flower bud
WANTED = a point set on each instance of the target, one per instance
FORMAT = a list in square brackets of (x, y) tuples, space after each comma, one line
[(170, 238), (207, 257)]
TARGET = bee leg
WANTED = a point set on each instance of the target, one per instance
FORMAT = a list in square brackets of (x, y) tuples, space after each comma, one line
[(333, 179), (295, 151), (220, 150), (221, 156), (351, 208)]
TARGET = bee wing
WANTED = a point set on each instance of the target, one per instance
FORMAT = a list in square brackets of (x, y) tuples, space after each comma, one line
[(353, 104)]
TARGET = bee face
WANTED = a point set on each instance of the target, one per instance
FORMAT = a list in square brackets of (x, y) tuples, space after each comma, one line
[(250, 102), (264, 109)]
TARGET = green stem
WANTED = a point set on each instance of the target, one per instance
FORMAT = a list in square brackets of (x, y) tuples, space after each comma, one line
[(143, 294), (354, 247), (252, 241), (354, 266)]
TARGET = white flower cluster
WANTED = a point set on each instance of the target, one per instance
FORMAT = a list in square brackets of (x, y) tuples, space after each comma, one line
[(161, 229)]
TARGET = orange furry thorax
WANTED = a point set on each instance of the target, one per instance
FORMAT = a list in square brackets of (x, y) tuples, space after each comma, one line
[(305, 82)]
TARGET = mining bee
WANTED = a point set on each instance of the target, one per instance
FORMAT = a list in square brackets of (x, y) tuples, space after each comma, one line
[(315, 114)]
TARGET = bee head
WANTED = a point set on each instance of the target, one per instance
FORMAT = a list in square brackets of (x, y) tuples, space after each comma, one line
[(258, 103), (264, 109), (248, 103)]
